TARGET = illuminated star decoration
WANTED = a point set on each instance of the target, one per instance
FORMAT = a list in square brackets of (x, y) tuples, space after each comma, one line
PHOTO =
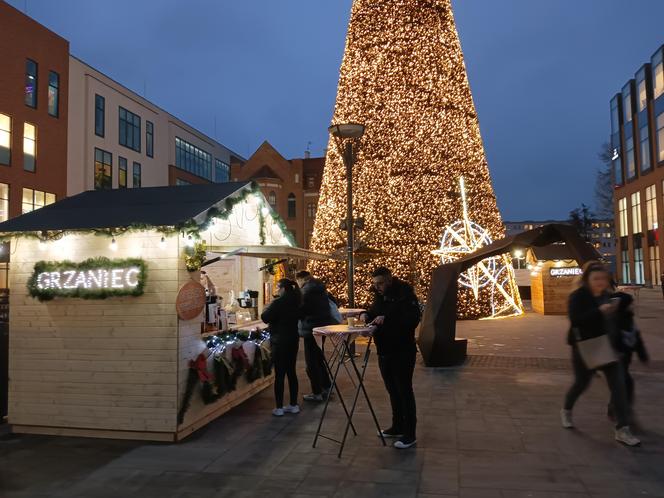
[(464, 237)]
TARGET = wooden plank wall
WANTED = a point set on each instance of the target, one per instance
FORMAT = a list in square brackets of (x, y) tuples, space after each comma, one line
[(95, 364)]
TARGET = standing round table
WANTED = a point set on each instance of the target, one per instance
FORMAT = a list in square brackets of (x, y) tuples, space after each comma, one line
[(342, 338)]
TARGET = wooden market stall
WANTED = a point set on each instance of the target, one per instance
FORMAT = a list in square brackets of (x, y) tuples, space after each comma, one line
[(554, 274), (107, 332)]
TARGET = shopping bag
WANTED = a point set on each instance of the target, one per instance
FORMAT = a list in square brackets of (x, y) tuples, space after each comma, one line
[(596, 352)]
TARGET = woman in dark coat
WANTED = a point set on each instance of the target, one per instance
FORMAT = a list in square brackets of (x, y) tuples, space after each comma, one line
[(592, 314), (282, 316)]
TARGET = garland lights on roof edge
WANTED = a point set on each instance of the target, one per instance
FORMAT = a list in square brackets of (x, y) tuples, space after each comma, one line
[(189, 228)]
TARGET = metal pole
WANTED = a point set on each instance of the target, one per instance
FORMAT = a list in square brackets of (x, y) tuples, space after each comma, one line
[(348, 160)]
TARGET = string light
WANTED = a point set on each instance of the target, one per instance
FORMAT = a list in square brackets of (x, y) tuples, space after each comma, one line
[(403, 77), (114, 245), (162, 243), (190, 241)]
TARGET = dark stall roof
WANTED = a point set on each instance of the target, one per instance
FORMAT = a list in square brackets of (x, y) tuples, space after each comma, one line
[(552, 252), (154, 206)]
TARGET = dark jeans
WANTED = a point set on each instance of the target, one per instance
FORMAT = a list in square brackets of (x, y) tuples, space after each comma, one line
[(284, 357), (316, 369), (397, 372), (614, 378), (625, 361)]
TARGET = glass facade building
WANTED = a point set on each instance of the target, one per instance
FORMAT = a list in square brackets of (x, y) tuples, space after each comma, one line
[(637, 143)]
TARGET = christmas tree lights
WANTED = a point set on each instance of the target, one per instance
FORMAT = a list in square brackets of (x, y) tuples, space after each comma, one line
[(403, 77)]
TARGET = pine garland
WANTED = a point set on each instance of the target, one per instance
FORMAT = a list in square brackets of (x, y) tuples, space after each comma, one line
[(189, 227)]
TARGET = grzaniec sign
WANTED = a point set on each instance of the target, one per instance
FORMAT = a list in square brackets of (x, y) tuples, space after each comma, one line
[(96, 278), (566, 272)]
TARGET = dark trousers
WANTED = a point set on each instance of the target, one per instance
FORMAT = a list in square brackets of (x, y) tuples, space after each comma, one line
[(615, 379), (284, 357), (397, 372), (625, 361), (316, 368)]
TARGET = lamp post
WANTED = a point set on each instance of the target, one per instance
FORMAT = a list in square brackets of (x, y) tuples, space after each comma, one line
[(347, 137)]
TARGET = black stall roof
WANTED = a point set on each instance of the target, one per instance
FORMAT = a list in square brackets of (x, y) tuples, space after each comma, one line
[(154, 206)]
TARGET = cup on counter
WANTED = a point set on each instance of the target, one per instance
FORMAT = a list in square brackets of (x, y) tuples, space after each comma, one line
[(351, 321)]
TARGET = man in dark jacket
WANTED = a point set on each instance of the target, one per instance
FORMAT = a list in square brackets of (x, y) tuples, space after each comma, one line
[(315, 312), (396, 313)]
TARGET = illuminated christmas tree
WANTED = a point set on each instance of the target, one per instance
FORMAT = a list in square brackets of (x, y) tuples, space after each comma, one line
[(403, 77)]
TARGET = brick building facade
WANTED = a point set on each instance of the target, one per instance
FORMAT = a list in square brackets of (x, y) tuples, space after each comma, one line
[(291, 186), (34, 69)]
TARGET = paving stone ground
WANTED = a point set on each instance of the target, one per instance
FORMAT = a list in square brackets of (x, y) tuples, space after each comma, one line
[(488, 429)]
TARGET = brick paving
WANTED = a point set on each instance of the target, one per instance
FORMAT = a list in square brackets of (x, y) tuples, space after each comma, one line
[(488, 429)]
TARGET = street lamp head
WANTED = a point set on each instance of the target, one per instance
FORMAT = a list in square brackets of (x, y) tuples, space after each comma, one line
[(347, 130)]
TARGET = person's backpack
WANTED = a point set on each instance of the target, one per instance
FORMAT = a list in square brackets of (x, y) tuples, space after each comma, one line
[(334, 311)]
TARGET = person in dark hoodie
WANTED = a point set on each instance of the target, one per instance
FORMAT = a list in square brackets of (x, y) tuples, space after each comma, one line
[(282, 317), (315, 312), (592, 314), (626, 341), (396, 313)]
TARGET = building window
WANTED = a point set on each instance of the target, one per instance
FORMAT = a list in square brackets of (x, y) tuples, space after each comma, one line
[(660, 137), (311, 210), (149, 139), (190, 158), (642, 100), (645, 149), (624, 259), (657, 74), (297, 178), (31, 83), (651, 208), (222, 171), (4, 202), (53, 93), (622, 210), (636, 213), (100, 115), (35, 199), (618, 171), (627, 103), (272, 199), (655, 265), (29, 147), (310, 181), (103, 169), (638, 266), (5, 139), (292, 212), (122, 172), (631, 163), (130, 129), (136, 175)]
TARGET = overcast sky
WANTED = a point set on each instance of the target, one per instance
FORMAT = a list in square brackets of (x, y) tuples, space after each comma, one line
[(542, 74)]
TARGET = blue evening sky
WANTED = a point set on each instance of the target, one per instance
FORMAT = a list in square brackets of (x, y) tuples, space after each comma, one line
[(542, 74)]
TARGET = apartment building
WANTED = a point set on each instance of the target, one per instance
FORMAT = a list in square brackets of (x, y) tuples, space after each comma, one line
[(34, 71), (291, 186), (118, 139)]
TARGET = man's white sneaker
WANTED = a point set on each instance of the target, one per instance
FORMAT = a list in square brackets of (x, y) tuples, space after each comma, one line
[(625, 436), (313, 397), (278, 412), (405, 443), (566, 418), (292, 409)]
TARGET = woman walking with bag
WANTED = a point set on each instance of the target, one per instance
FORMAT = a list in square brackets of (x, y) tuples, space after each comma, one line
[(591, 313), (282, 316)]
